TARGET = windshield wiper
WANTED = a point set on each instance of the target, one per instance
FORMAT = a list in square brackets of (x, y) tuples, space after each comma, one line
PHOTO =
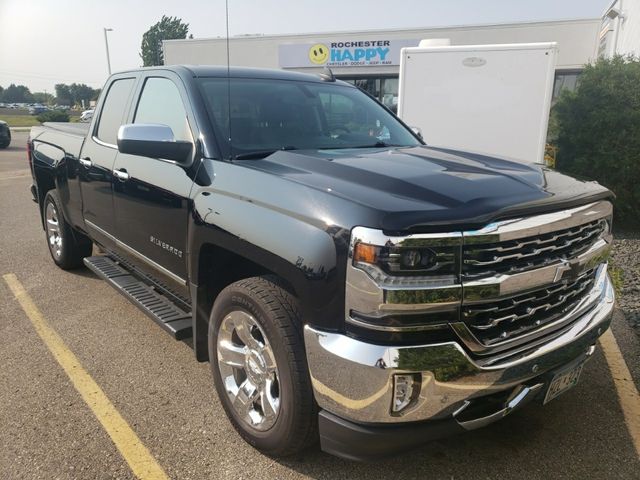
[(261, 153)]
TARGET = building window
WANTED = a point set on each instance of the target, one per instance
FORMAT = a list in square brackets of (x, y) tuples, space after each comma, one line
[(384, 89), (390, 93), (565, 81)]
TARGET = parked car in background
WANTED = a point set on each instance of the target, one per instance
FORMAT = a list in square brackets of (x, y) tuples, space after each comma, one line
[(37, 109), (86, 116), (5, 134)]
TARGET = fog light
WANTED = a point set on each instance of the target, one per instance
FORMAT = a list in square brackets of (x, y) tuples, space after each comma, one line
[(405, 389)]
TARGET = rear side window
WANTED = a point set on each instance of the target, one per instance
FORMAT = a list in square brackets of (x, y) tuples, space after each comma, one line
[(113, 110), (161, 103)]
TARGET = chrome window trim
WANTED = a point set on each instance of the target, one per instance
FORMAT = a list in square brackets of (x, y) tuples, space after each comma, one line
[(137, 254), (104, 144)]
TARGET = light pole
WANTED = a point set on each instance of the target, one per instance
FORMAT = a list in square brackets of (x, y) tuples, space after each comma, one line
[(106, 45)]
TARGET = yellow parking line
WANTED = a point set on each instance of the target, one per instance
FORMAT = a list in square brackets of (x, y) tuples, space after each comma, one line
[(626, 389), (142, 463)]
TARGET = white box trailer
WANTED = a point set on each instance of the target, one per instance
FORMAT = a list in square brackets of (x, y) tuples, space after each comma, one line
[(491, 99)]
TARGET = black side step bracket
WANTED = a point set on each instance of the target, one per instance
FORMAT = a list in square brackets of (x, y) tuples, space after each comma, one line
[(159, 308)]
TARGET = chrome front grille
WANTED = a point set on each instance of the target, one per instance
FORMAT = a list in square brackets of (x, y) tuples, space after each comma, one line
[(515, 256), (494, 322)]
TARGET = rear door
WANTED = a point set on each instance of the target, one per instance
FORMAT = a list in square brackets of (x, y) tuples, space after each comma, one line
[(151, 202), (98, 157)]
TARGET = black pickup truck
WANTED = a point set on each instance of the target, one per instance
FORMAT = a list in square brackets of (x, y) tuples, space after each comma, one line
[(345, 281)]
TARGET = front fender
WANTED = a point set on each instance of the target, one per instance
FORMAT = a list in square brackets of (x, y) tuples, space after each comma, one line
[(309, 256)]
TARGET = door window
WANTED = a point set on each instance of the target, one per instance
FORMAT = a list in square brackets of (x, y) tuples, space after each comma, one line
[(160, 103), (113, 110)]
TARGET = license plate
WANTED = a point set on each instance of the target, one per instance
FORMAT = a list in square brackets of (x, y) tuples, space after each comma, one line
[(563, 381)]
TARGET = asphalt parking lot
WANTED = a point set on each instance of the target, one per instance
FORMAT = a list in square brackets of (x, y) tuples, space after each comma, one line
[(48, 431)]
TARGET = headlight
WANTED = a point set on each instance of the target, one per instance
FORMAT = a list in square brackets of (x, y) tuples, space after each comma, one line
[(400, 260), (402, 287)]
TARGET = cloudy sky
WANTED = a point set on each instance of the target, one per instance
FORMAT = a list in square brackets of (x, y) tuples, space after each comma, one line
[(43, 42)]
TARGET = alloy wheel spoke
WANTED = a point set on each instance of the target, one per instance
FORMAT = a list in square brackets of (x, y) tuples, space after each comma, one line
[(243, 329), (267, 402), (231, 354), (247, 395), (269, 359)]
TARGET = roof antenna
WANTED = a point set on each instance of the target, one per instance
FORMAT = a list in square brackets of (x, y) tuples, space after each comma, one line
[(226, 4), (327, 75)]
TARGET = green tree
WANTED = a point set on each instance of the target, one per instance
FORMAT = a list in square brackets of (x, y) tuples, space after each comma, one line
[(1, 92), (17, 94), (63, 95), (43, 98), (599, 131), (81, 93), (75, 94), (168, 28)]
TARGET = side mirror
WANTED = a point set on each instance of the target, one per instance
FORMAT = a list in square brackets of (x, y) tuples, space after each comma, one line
[(153, 140), (418, 132)]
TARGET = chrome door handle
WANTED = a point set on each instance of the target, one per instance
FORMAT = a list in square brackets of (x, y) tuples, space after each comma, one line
[(86, 162), (121, 174)]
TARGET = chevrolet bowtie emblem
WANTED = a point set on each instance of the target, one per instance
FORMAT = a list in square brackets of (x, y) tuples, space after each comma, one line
[(560, 269)]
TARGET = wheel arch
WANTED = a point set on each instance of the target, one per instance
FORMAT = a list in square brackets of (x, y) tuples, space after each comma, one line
[(45, 182), (215, 267), (217, 259)]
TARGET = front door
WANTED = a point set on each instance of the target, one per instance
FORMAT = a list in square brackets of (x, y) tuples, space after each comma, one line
[(151, 195)]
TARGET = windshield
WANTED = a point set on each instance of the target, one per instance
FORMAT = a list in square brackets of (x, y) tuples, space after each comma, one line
[(269, 115)]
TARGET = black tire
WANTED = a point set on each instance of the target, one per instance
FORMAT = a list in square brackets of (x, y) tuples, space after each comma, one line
[(67, 247), (6, 143), (276, 312)]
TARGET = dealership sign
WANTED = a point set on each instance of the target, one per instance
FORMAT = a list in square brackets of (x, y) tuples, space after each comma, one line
[(346, 53)]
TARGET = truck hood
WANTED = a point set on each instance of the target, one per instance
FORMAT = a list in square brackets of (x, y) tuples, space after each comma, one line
[(423, 187)]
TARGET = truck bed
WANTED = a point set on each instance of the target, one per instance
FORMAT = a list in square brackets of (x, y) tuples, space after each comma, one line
[(73, 128), (68, 137)]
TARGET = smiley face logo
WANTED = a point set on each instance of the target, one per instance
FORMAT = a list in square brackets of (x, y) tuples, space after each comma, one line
[(319, 54)]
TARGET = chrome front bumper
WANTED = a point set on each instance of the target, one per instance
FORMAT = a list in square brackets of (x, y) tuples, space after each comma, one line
[(354, 380)]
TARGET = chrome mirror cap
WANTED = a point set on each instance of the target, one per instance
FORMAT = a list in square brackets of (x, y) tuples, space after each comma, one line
[(154, 141), (148, 132)]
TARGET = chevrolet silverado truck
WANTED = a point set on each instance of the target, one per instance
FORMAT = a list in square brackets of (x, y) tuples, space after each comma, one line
[(345, 281)]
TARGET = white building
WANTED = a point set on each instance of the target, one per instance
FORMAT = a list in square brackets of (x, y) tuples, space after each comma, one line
[(370, 59), (620, 31)]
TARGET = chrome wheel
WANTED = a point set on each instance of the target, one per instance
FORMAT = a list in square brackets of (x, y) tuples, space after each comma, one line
[(53, 230), (248, 370)]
